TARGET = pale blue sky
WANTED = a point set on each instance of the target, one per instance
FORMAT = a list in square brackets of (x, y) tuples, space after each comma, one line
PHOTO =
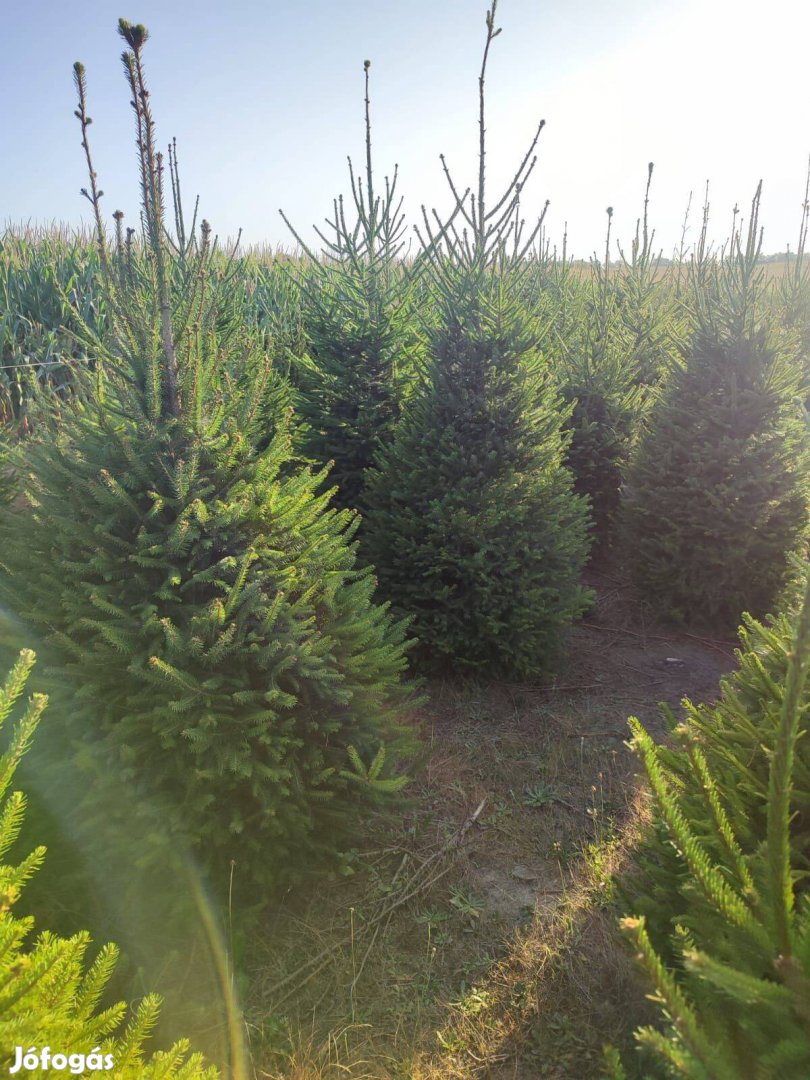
[(265, 98)]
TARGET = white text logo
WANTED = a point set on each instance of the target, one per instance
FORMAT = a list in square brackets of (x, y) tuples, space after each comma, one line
[(33, 1060)]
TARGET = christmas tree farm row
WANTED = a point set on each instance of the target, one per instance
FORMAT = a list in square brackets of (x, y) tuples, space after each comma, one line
[(249, 504)]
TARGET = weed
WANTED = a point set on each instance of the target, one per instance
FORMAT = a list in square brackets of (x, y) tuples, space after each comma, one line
[(538, 795)]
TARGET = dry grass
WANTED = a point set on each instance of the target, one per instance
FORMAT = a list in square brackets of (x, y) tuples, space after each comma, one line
[(565, 965)]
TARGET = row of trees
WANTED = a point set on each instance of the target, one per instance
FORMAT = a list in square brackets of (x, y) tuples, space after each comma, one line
[(228, 635), (190, 549)]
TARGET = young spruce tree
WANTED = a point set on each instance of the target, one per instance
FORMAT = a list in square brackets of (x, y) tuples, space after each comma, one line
[(473, 525), (357, 318), (50, 997), (654, 324), (598, 380), (722, 922), (226, 657), (716, 495)]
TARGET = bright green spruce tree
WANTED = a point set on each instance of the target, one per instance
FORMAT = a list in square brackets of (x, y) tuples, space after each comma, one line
[(50, 997), (722, 922), (472, 523), (716, 495), (196, 591), (356, 313)]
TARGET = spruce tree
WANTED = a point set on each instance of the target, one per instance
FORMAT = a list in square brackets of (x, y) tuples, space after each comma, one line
[(621, 341), (225, 655), (473, 525), (599, 381), (716, 495), (793, 295), (356, 314), (50, 996), (722, 891), (654, 323)]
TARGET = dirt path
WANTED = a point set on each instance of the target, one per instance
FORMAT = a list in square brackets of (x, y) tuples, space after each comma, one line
[(493, 879)]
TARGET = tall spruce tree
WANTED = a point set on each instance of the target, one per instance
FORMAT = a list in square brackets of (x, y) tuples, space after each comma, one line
[(225, 655), (722, 923), (716, 495), (357, 319), (473, 525)]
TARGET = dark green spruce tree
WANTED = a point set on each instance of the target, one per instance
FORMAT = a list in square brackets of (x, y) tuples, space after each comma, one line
[(716, 495), (356, 314), (226, 659), (472, 522), (598, 380)]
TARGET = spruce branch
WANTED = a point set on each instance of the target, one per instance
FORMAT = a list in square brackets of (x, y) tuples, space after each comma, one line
[(492, 33), (94, 195), (780, 780), (490, 227), (372, 205), (683, 1016), (152, 195)]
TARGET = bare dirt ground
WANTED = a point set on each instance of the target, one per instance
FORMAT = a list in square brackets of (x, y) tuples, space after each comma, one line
[(477, 934)]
